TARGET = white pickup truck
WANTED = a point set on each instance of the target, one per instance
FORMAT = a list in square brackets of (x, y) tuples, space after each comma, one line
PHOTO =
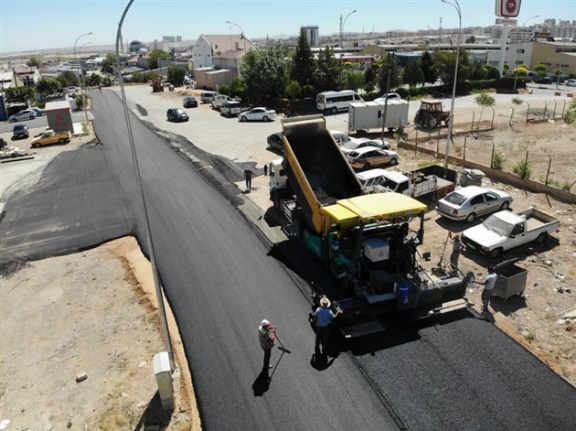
[(505, 230)]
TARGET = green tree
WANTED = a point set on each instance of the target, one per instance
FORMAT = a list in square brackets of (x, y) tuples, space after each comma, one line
[(484, 100), (176, 74), (370, 77), (265, 73), (22, 94), (445, 62), (413, 74), (352, 79), (155, 55), (235, 88), (302, 67), (34, 62), (471, 39), (293, 90), (67, 79), (48, 86), (521, 71), (106, 81), (327, 73), (477, 71), (541, 70), (491, 72), (94, 80), (389, 65), (108, 63), (427, 66)]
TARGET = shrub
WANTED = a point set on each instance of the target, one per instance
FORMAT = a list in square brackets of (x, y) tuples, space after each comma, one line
[(522, 169), (498, 161)]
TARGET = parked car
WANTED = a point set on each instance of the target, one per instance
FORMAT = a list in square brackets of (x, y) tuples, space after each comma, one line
[(39, 112), (471, 202), (389, 96), (342, 138), (369, 157), (355, 145), (275, 141), (26, 114), (258, 114), (20, 131), (571, 83), (219, 100), (230, 109), (176, 114), (190, 102), (543, 80), (51, 137), (207, 96), (69, 90)]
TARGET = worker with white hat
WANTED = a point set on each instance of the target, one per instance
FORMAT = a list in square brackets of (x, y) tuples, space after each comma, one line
[(324, 317), (266, 335)]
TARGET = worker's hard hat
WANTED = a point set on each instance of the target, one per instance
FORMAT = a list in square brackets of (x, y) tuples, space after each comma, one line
[(265, 323)]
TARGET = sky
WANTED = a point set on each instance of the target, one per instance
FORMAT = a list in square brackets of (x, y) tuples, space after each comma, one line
[(28, 25)]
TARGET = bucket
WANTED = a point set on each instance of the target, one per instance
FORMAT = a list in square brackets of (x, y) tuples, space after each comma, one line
[(403, 293)]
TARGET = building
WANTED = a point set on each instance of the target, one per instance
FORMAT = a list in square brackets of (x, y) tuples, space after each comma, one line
[(555, 55), (312, 34), (207, 47)]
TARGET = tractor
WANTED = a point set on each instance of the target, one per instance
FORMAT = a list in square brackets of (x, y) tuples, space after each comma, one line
[(431, 114)]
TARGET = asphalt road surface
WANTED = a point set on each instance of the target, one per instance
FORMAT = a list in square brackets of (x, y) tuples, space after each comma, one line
[(222, 279)]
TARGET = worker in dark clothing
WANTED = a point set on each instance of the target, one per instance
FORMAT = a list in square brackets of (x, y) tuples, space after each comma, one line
[(248, 177), (266, 335), (457, 247), (324, 317)]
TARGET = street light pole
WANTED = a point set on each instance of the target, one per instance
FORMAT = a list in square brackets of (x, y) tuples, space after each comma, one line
[(342, 24), (148, 230), (84, 92), (241, 34), (81, 74), (451, 120)]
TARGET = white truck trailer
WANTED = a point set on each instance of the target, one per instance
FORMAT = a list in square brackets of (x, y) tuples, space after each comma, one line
[(366, 116)]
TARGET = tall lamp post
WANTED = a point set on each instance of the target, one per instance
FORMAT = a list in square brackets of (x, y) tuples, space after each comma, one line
[(83, 89), (342, 24), (81, 72), (451, 121), (241, 33)]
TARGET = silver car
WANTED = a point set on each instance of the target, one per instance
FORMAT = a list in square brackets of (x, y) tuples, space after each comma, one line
[(470, 202), (26, 114)]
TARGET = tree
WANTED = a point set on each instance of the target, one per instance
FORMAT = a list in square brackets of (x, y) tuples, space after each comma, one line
[(19, 94), (265, 73), (370, 77), (108, 63), (48, 86), (471, 39), (94, 80), (413, 74), (541, 70), (389, 66), (353, 80), (302, 68), (491, 72), (67, 79), (520, 72), (427, 66), (327, 73), (34, 62), (445, 62), (156, 55), (477, 71), (176, 74), (485, 100)]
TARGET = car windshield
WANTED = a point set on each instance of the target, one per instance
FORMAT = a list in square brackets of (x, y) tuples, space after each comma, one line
[(455, 198), (350, 145)]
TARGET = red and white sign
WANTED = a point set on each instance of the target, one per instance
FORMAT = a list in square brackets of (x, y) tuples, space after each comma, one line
[(508, 8)]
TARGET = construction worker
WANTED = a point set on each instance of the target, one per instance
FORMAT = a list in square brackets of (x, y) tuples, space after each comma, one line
[(488, 288), (266, 335), (248, 177), (457, 247), (324, 317)]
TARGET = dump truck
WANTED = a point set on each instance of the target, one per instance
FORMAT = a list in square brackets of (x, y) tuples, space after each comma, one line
[(367, 241), (429, 182), (51, 137), (364, 116)]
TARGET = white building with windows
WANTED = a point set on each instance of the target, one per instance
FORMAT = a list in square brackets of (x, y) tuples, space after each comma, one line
[(208, 47)]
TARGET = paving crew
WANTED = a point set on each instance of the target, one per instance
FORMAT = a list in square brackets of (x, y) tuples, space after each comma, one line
[(488, 288), (324, 317), (457, 247), (266, 335)]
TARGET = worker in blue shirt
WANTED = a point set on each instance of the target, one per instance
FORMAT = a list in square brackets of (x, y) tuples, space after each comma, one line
[(324, 317)]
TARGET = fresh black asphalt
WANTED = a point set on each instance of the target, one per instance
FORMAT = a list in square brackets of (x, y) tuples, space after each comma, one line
[(221, 280)]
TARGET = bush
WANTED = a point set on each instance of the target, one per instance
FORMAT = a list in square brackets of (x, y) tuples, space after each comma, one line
[(498, 161), (522, 169)]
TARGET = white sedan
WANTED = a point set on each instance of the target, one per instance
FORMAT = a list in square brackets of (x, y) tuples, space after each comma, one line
[(258, 114), (570, 83), (364, 142)]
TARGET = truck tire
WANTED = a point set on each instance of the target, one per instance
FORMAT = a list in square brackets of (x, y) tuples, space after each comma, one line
[(61, 141), (541, 239), (497, 252), (334, 111)]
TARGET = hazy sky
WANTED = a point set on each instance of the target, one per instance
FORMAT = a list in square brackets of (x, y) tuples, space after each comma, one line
[(41, 24)]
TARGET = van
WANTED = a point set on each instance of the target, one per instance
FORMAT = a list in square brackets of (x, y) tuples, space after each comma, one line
[(207, 96), (231, 108), (331, 102)]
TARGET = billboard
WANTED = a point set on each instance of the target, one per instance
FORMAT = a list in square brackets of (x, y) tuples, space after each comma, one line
[(508, 8)]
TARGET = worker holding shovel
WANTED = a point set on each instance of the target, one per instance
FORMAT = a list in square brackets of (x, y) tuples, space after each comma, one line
[(324, 317)]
